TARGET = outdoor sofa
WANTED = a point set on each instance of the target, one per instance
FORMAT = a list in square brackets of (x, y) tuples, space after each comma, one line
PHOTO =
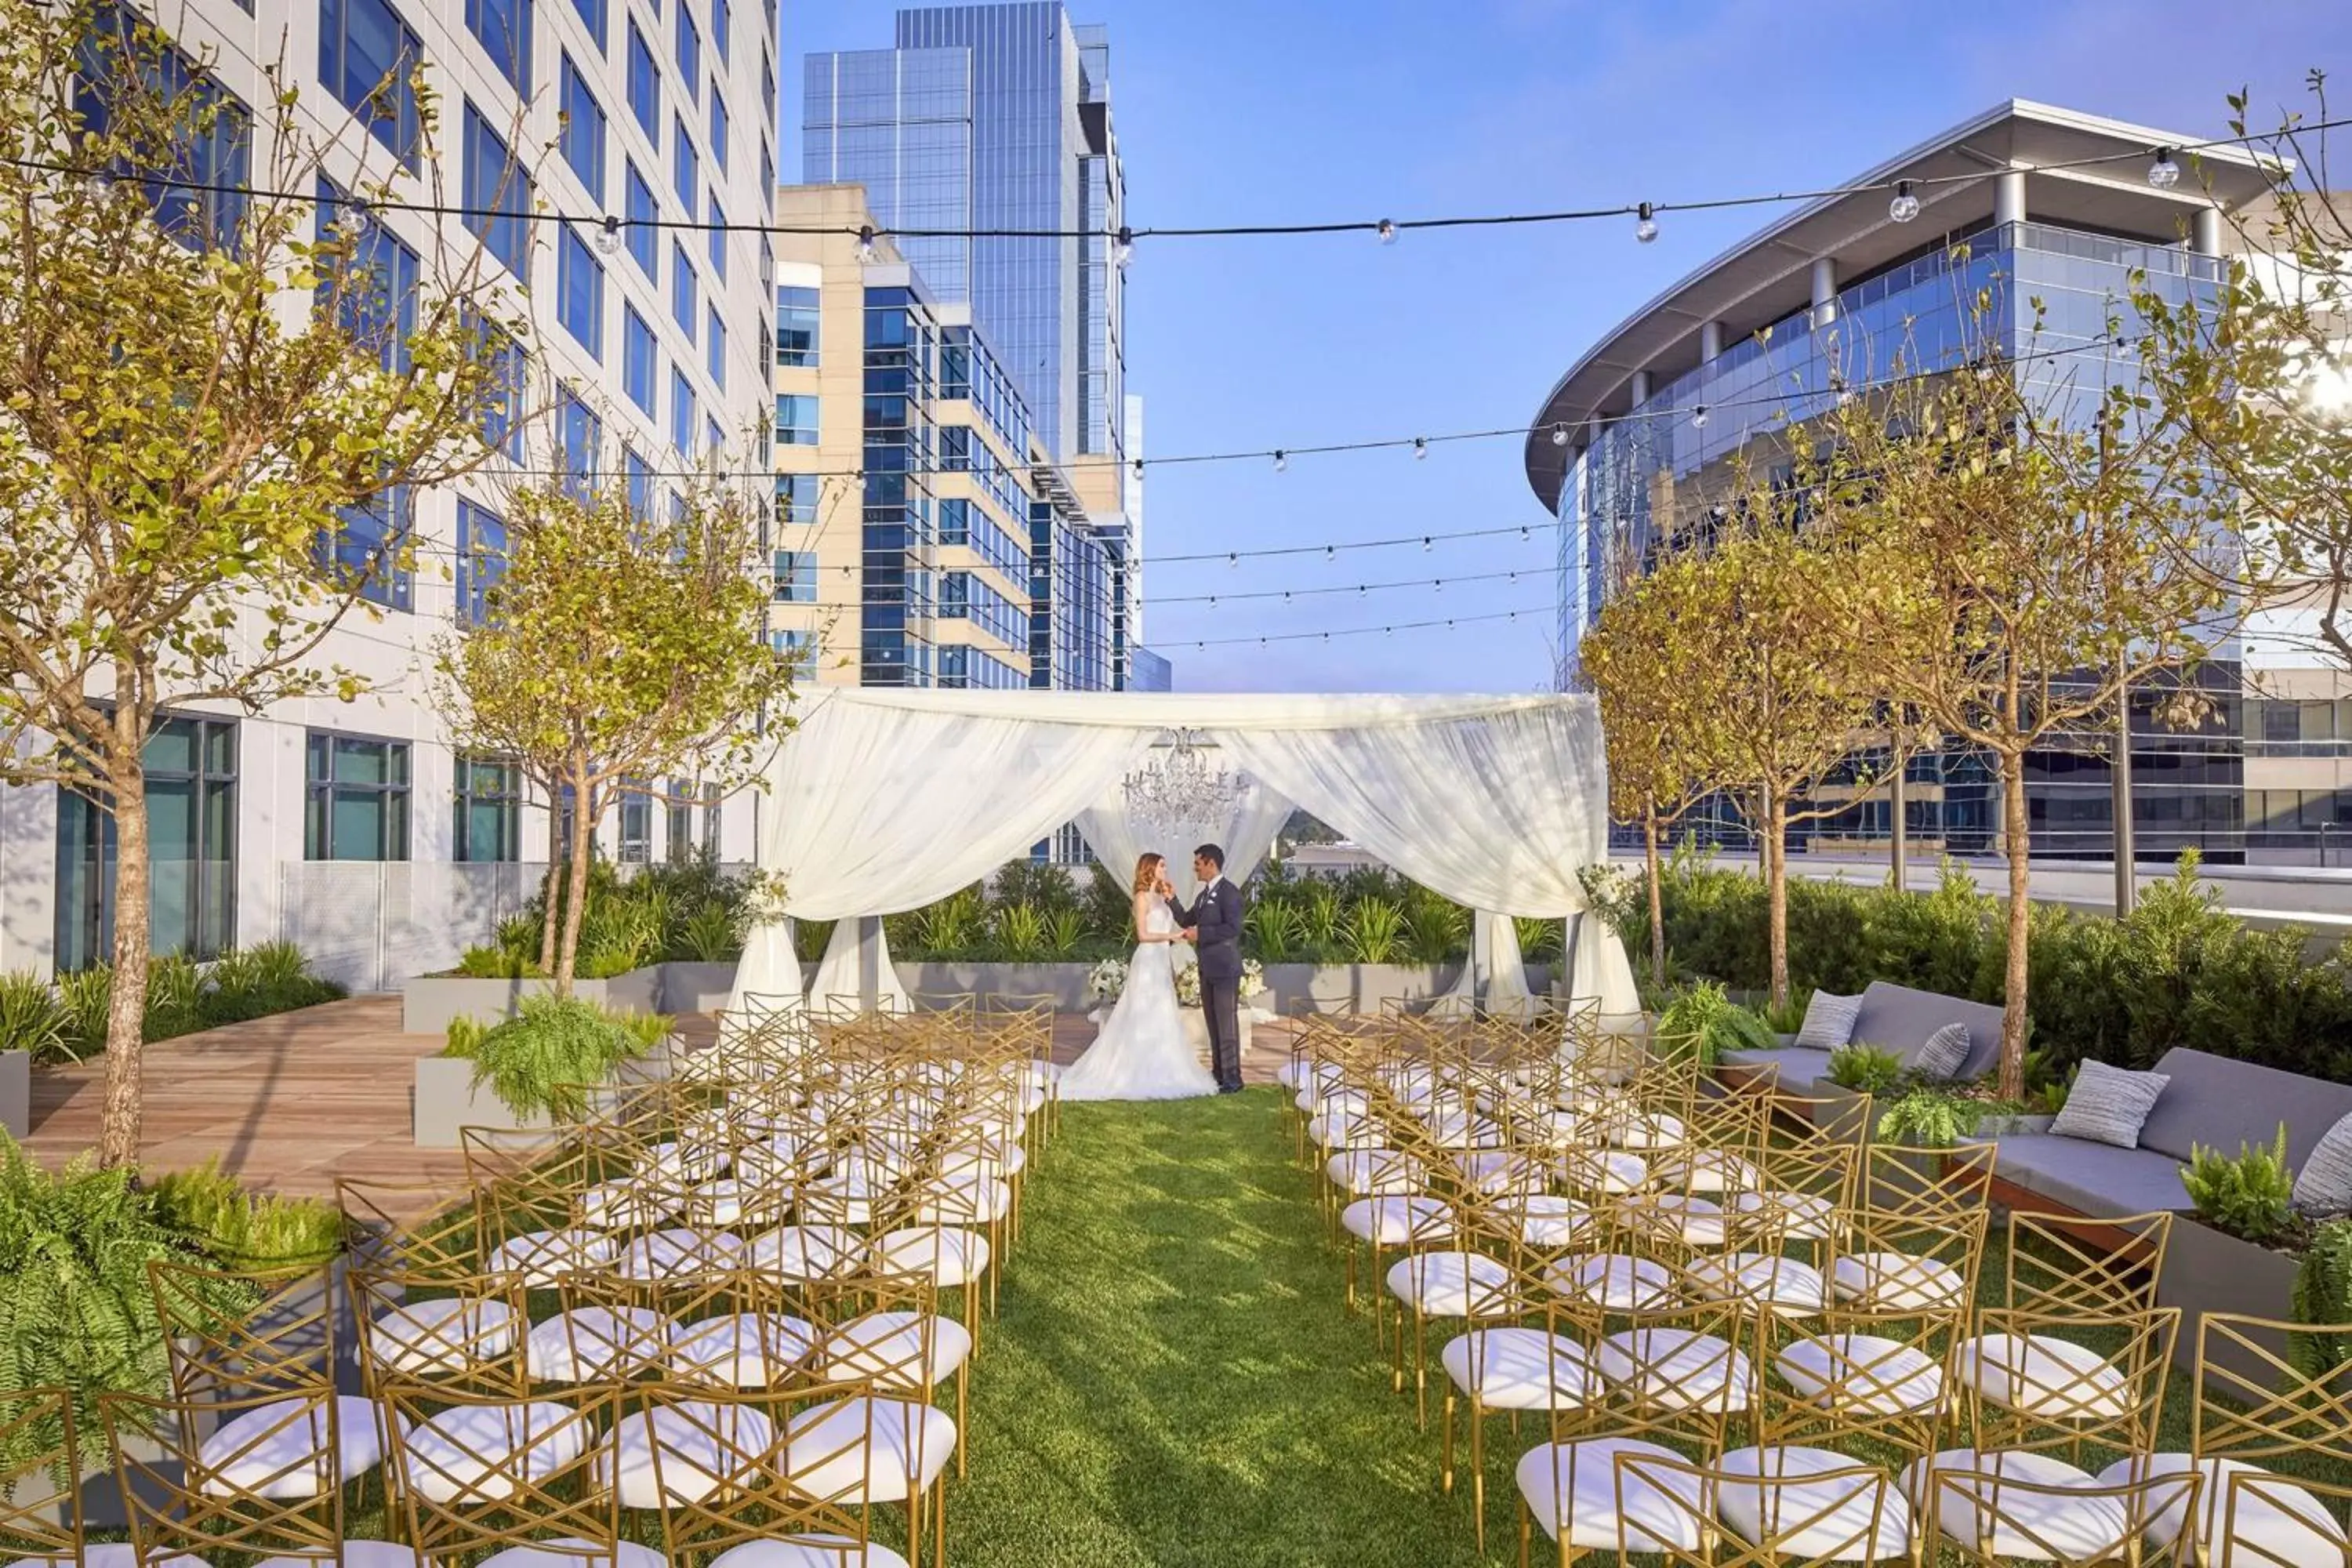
[(1894, 1018)]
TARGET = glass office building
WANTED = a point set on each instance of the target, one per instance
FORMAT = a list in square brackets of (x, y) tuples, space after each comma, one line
[(1637, 447)]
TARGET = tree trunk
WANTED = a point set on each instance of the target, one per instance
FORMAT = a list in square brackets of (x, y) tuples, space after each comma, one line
[(2017, 844), (550, 900), (583, 834), (1776, 896), (1657, 902), (126, 1011)]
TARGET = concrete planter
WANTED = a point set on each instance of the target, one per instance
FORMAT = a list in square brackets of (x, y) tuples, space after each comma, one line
[(446, 1099), (17, 1093), (429, 1002), (692, 986), (1196, 1030), (1289, 987), (1997, 1127), (2207, 1270)]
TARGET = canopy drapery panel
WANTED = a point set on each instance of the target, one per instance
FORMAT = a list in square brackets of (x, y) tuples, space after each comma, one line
[(884, 801)]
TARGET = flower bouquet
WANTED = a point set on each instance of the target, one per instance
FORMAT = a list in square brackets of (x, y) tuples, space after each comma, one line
[(1253, 980), (1188, 985), (1104, 981)]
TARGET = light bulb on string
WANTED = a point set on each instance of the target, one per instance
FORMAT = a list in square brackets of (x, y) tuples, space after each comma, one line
[(608, 235), (1420, 447), (866, 242), (1138, 467), (1906, 204), (1437, 584), (1698, 418), (1387, 230), (1330, 552), (1425, 543), (1646, 227), (2164, 173), (99, 183), (1123, 251), (1232, 558), (1559, 435), (1281, 461), (1526, 533)]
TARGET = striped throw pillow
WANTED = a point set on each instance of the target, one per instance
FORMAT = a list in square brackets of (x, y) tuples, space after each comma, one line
[(1829, 1022), (2109, 1105), (2323, 1188), (1940, 1059)]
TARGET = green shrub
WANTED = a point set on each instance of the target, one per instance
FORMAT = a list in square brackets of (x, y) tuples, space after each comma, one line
[(1020, 933), (1930, 1119), (75, 1306), (243, 1229), (1865, 1069), (1375, 931), (555, 1049), (32, 1019), (1541, 940), (87, 994), (494, 963), (2323, 1297), (1065, 928), (175, 998), (1705, 1019), (2247, 1195), (708, 935), (1784, 1017), (256, 982)]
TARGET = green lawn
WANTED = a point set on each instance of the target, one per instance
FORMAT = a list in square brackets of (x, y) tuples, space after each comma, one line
[(1173, 1381)]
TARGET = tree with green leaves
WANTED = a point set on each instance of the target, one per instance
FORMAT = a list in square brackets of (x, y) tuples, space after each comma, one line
[(614, 646), (2007, 567), (197, 387)]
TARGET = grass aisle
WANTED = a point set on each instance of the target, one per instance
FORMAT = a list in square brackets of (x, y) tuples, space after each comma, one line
[(1173, 1381)]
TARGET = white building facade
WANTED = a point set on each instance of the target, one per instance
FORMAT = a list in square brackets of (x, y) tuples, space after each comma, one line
[(356, 829)]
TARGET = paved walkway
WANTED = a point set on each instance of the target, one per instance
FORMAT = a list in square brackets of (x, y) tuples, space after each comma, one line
[(290, 1102)]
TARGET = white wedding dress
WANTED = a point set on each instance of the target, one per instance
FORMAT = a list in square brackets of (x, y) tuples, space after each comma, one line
[(1142, 1051)]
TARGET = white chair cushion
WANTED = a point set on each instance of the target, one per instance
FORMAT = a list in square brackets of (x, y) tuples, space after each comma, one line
[(1452, 1284), (1520, 1369), (1615, 1282), (1397, 1221), (1646, 1129), (682, 1160), (1500, 1173), (888, 1348), (1828, 1520), (1374, 1172), (1865, 1373), (1330, 1101), (1781, 1284), (803, 1252), (694, 1460), (474, 1452), (542, 1258), (971, 1199), (121, 1554), (583, 1554), (1897, 1282), (1677, 1369), (440, 1338), (1804, 1217), (1715, 1171), (626, 1201), (684, 1249), (2270, 1521), (1547, 1220), (942, 1254), (2041, 1526), (1693, 1221), (742, 1350), (279, 1450), (2043, 1375), (1345, 1132), (596, 1344), (808, 1551), (730, 1200), (867, 1449), (1613, 1172), (1571, 1491)]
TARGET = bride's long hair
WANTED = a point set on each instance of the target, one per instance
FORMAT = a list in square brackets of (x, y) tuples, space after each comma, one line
[(1147, 871)]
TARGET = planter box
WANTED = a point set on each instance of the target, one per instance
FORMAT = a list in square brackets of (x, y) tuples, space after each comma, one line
[(1290, 988), (1196, 1029), (2207, 1270), (446, 1099), (429, 1002), (1999, 1127), (689, 987), (17, 1093)]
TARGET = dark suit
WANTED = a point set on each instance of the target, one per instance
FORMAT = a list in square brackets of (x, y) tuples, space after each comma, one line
[(1216, 916)]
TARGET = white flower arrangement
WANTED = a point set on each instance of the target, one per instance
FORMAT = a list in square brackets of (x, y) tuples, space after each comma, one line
[(1253, 980), (1188, 985), (1106, 980)]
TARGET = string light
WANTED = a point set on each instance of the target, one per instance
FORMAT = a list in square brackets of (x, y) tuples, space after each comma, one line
[(1123, 251), (2164, 173), (866, 242), (1426, 540), (1281, 461), (1646, 228), (608, 235), (1420, 447), (1698, 418), (1905, 204), (1387, 232), (1559, 435)]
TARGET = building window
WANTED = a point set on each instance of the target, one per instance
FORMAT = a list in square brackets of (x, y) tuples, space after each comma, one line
[(579, 433), (487, 821), (796, 419), (795, 577), (637, 482), (481, 560), (719, 18), (797, 496), (644, 239), (685, 163), (502, 409), (718, 129), (711, 805), (367, 59), (503, 28), (644, 86), (371, 282), (678, 810), (368, 555), (583, 132), (357, 792), (592, 13), (579, 291), (640, 361), (682, 289), (714, 349), (796, 327), (681, 413), (689, 47), (713, 438), (497, 195), (718, 216), (213, 151), (636, 821), (191, 794)]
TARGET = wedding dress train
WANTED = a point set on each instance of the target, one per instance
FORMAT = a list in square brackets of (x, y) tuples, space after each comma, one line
[(1142, 1051)]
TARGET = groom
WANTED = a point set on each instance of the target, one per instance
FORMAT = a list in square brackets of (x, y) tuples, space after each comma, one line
[(1213, 924)]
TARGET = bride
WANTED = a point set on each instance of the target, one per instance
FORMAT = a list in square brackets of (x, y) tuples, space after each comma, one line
[(1142, 1052)]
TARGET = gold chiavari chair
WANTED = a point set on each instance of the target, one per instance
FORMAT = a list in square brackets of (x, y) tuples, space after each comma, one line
[(413, 1226), (40, 1519), (1468, 1278), (1997, 1509), (1880, 1378), (887, 1330), (509, 1481), (605, 1330), (756, 1516), (2058, 1264), (445, 1333), (864, 1432), (1532, 1358), (738, 1330), (1901, 1180), (2033, 1380), (1898, 1264)]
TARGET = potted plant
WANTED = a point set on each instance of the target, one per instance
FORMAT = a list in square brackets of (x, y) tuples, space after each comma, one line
[(2237, 1252), (531, 1070)]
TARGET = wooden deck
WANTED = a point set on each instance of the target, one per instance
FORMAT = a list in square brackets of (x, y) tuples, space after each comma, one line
[(289, 1103)]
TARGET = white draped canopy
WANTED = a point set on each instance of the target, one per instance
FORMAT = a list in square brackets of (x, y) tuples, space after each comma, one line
[(884, 801)]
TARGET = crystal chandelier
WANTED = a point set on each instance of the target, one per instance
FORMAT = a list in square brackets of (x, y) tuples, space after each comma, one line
[(1177, 793)]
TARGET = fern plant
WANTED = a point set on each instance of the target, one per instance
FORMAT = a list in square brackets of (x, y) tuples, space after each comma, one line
[(1703, 1018), (75, 1308), (1865, 1069), (2247, 1196), (245, 1229), (1929, 1119), (2323, 1296), (544, 1059), (33, 1019)]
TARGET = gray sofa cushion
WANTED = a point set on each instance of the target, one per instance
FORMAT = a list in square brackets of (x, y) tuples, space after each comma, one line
[(2096, 1179), (1897, 1019), (2222, 1103), (1798, 1065)]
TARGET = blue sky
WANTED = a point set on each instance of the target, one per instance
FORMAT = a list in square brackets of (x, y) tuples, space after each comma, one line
[(1280, 111)]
